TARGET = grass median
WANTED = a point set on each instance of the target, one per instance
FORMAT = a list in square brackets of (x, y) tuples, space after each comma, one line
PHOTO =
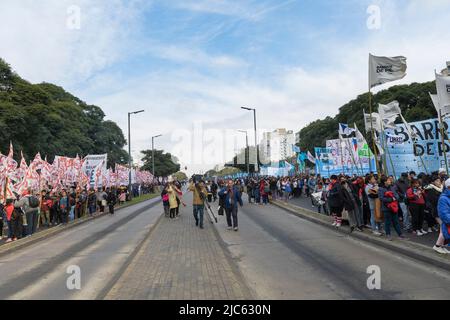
[(140, 199)]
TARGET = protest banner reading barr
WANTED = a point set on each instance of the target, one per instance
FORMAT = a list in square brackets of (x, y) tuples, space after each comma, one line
[(428, 145)]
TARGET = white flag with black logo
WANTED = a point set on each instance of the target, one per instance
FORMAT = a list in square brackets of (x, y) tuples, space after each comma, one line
[(389, 110), (386, 69), (443, 91)]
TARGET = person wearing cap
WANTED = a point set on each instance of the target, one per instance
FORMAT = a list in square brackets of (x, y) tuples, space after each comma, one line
[(444, 219)]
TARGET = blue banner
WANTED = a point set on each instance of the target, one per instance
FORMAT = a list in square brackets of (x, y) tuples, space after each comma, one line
[(405, 157)]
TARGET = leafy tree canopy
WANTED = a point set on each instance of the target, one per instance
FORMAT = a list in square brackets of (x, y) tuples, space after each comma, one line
[(165, 163), (45, 118)]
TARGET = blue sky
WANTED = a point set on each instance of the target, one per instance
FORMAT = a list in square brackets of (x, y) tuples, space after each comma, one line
[(186, 61)]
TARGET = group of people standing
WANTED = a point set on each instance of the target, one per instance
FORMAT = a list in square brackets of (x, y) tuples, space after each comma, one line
[(32, 210)]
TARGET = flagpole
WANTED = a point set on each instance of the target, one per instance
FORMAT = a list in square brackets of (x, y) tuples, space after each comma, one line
[(413, 139), (372, 133), (364, 119), (444, 146), (342, 154), (386, 150)]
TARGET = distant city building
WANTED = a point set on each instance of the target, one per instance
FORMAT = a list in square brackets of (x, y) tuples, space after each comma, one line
[(277, 145)]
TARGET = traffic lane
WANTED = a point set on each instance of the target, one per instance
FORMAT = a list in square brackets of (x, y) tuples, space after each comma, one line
[(286, 257), (428, 239), (99, 248)]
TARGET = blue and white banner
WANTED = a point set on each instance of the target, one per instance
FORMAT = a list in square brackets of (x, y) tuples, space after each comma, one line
[(428, 145)]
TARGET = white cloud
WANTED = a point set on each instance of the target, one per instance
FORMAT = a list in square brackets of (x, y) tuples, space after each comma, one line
[(212, 87), (38, 44)]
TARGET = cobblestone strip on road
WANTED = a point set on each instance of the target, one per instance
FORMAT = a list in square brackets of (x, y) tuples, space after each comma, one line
[(180, 262)]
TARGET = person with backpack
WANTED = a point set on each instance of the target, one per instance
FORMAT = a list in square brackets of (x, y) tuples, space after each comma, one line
[(165, 200), (335, 198), (389, 206), (29, 204)]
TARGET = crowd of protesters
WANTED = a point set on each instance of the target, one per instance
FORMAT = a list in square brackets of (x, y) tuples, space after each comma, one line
[(21, 217), (412, 204)]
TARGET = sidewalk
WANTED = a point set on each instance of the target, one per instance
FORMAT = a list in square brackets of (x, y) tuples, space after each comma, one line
[(429, 239), (182, 262), (409, 248)]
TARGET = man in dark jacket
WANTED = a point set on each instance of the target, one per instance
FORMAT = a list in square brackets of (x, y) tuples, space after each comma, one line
[(111, 199), (232, 199), (336, 200), (390, 216), (400, 187)]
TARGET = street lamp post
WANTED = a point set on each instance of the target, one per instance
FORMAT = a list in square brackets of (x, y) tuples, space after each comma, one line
[(247, 151), (153, 153), (129, 151), (256, 139)]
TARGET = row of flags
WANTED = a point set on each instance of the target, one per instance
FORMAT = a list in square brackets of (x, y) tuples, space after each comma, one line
[(64, 172), (382, 123)]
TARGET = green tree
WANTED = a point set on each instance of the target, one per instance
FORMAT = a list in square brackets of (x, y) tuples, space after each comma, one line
[(45, 118), (165, 163)]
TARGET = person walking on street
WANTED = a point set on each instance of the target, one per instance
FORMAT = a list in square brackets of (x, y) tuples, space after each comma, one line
[(199, 197), (232, 199), (372, 194), (336, 200)]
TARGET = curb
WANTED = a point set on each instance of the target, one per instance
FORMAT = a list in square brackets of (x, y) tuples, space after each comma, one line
[(412, 250), (39, 236)]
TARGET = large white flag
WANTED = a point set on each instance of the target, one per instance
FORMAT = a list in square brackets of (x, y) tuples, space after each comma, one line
[(445, 110), (443, 92), (386, 69), (389, 113), (375, 119)]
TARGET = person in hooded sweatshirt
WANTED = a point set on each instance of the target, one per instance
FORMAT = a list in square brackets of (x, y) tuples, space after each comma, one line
[(444, 219)]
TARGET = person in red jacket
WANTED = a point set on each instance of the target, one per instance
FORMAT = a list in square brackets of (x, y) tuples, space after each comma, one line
[(9, 208), (416, 200)]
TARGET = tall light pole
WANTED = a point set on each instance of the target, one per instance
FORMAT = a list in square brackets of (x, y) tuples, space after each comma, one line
[(129, 150), (247, 151), (256, 139), (153, 153)]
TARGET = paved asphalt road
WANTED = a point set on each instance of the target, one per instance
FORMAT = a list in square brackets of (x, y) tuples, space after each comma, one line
[(285, 257), (279, 255), (99, 247)]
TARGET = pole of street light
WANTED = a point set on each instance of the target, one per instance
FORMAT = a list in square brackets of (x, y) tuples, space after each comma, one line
[(247, 151), (129, 151), (256, 139), (153, 153)]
